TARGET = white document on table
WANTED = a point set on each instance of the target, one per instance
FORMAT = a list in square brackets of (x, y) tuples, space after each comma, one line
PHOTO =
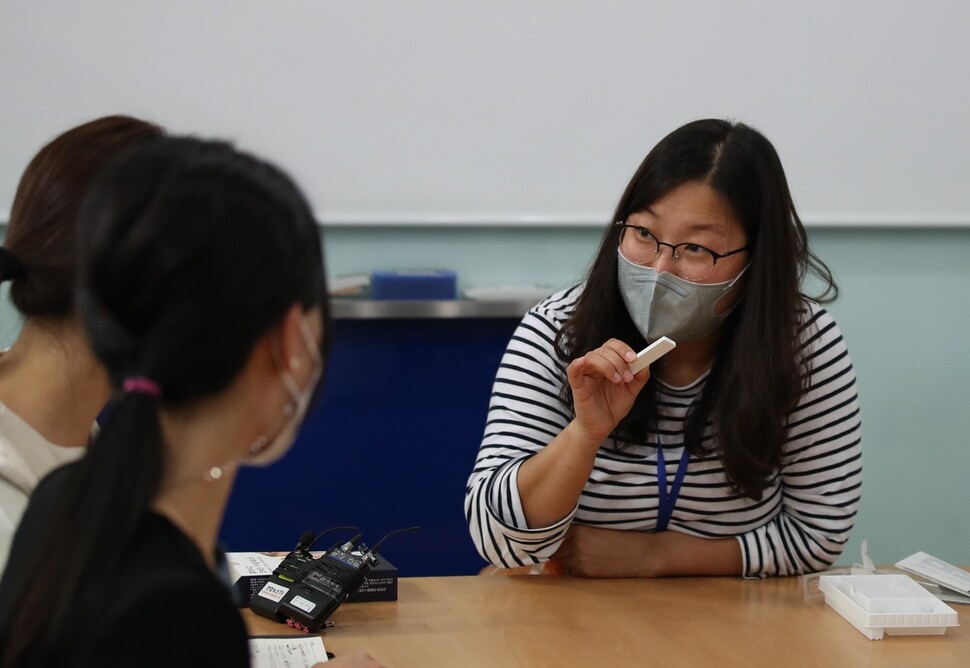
[(286, 651)]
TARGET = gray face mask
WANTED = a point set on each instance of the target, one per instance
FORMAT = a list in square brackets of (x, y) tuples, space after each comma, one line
[(662, 304)]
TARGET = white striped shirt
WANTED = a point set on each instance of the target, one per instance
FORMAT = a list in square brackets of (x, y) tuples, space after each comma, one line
[(800, 524)]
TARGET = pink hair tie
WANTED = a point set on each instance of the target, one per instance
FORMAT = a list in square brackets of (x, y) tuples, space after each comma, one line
[(141, 385)]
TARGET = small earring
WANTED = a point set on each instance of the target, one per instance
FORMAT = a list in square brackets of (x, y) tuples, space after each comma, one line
[(213, 474), (288, 408), (257, 446), (294, 362)]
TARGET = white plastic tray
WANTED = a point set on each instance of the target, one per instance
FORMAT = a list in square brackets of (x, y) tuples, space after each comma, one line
[(893, 604)]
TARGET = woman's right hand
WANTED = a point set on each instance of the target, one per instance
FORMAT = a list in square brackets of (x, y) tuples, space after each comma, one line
[(604, 388)]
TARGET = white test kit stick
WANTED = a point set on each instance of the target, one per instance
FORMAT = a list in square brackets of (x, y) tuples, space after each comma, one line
[(652, 353)]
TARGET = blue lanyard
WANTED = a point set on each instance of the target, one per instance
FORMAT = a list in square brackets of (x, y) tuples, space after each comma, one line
[(666, 500)]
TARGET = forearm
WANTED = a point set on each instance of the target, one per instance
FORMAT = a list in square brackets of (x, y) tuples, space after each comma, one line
[(675, 553), (551, 481), (613, 553)]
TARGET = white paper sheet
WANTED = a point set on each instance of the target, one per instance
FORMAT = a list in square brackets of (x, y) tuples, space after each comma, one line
[(286, 651)]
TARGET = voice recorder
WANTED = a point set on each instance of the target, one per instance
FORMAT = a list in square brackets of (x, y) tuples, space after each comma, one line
[(305, 592)]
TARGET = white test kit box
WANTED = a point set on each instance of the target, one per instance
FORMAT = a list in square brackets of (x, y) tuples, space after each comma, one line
[(887, 604)]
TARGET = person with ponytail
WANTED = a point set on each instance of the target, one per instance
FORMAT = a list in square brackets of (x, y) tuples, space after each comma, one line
[(51, 387), (737, 453), (201, 288)]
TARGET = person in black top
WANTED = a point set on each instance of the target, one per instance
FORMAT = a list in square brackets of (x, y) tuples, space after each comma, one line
[(201, 288)]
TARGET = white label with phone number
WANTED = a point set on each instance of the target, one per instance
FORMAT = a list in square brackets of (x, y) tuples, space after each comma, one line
[(303, 604)]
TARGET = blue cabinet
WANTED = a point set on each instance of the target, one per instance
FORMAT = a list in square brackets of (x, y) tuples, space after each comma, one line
[(389, 444)]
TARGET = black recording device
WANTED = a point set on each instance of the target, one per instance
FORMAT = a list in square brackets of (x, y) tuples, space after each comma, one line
[(305, 592), (293, 568)]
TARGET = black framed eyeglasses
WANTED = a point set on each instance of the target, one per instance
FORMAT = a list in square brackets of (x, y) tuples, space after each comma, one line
[(691, 261)]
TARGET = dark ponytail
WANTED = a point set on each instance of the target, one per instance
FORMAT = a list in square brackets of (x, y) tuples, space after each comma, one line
[(191, 252), (101, 502)]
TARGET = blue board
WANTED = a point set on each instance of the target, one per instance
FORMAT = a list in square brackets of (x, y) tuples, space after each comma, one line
[(389, 444)]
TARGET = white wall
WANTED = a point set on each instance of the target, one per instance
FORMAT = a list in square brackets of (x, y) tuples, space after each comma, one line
[(510, 110)]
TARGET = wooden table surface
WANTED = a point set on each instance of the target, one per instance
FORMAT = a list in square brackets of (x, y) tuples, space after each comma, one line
[(562, 621)]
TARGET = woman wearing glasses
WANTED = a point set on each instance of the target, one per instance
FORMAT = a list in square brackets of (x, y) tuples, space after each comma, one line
[(737, 453)]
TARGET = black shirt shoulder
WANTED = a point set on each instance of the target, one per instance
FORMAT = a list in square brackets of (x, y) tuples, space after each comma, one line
[(160, 605)]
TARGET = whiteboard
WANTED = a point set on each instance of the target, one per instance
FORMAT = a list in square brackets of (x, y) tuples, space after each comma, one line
[(513, 112)]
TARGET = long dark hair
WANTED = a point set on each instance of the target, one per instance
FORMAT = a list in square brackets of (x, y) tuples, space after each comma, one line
[(39, 249), (757, 377), (190, 252)]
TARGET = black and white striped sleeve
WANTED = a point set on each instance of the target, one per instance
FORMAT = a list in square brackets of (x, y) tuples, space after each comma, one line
[(821, 473), (525, 413)]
